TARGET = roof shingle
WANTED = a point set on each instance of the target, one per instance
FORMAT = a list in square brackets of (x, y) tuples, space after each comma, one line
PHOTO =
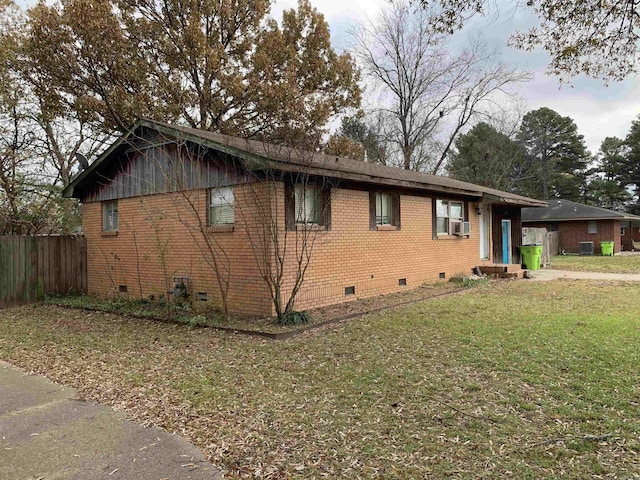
[(566, 210), (288, 159)]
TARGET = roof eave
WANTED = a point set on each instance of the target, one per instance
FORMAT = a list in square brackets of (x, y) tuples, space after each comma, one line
[(257, 161), (69, 190), (516, 202), (579, 219)]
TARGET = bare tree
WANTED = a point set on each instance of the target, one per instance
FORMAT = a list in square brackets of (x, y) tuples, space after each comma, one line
[(16, 136), (280, 215), (285, 220), (39, 139), (178, 172), (430, 92), (16, 187), (231, 207), (506, 115)]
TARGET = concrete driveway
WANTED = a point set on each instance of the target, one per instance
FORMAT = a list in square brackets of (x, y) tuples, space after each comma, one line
[(547, 274), (45, 434)]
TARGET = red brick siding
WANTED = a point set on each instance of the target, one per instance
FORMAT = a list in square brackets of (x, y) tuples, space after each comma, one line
[(347, 255), (166, 222), (374, 261), (571, 233)]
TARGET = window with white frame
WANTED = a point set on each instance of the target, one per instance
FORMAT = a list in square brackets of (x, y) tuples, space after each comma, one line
[(384, 209), (592, 227), (449, 217), (221, 211), (308, 204), (110, 216)]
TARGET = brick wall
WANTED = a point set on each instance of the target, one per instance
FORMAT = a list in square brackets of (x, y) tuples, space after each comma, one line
[(158, 237), (571, 233), (374, 261)]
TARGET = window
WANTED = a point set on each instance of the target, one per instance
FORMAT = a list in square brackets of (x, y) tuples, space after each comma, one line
[(553, 227), (383, 209), (110, 216), (221, 206), (308, 204), (592, 227), (450, 218), (624, 227)]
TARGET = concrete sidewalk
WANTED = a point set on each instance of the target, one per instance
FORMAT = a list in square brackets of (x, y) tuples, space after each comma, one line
[(45, 434), (547, 274)]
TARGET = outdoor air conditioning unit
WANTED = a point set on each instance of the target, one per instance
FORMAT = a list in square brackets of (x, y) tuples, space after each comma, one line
[(180, 287)]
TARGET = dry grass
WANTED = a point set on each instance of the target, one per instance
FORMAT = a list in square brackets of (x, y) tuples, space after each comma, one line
[(511, 380), (596, 263)]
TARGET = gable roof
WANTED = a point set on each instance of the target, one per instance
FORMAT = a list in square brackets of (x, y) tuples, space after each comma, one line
[(262, 155), (566, 210)]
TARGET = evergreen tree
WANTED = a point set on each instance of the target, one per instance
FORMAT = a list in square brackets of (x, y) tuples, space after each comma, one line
[(607, 188), (357, 140), (631, 175), (486, 157), (555, 156)]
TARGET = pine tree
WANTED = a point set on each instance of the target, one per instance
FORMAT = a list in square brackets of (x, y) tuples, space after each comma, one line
[(555, 156)]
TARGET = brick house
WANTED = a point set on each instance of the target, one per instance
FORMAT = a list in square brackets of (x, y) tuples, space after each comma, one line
[(162, 198), (576, 222)]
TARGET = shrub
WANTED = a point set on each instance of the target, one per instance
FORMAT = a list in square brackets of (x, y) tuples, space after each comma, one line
[(294, 318), (469, 282)]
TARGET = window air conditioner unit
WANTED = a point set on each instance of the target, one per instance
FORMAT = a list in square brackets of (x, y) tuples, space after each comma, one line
[(461, 229)]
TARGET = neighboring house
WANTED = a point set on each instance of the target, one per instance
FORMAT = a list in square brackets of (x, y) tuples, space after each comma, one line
[(576, 222), (150, 196)]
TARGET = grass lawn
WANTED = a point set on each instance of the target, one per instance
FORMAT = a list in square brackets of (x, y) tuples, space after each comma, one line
[(509, 380), (616, 264)]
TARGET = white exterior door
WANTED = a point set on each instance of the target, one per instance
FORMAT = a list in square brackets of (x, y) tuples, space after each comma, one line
[(485, 231)]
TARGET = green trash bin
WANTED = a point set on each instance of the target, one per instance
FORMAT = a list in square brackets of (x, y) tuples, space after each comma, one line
[(607, 248), (531, 256)]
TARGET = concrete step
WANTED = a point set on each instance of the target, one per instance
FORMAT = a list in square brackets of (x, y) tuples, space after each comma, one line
[(500, 268)]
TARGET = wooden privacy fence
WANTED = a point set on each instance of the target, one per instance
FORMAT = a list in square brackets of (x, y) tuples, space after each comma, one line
[(540, 236), (32, 267), (554, 243)]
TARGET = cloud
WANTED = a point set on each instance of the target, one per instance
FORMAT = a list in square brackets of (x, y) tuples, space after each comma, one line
[(599, 111)]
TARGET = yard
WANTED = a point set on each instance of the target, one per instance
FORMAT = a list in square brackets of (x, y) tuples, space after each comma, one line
[(596, 263), (511, 379)]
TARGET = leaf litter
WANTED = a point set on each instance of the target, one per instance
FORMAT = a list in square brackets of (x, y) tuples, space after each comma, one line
[(485, 385)]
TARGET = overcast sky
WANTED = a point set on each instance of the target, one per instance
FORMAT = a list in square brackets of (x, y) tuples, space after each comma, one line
[(599, 111)]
